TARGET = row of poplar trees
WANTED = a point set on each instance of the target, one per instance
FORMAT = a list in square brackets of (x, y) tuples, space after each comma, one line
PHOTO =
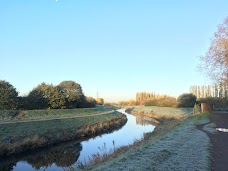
[(142, 96), (217, 90), (66, 95)]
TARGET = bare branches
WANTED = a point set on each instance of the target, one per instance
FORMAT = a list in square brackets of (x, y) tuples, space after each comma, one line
[(215, 62)]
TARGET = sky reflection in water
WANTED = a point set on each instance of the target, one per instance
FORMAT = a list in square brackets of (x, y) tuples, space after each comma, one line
[(71, 154)]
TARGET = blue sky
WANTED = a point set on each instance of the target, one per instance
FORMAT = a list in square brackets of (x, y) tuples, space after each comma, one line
[(114, 47)]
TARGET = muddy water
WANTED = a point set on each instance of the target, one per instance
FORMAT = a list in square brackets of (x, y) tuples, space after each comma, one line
[(71, 154)]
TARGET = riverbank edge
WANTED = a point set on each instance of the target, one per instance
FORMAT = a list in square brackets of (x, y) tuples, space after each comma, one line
[(43, 140), (164, 130), (155, 119), (162, 127)]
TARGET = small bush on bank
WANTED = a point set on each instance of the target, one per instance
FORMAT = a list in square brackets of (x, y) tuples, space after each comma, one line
[(197, 109)]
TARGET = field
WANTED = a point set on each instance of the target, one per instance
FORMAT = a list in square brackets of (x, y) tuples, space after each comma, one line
[(14, 115), (46, 132), (160, 112), (176, 145), (10, 132)]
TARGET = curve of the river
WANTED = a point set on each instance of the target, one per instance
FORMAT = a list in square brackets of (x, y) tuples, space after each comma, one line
[(73, 153)]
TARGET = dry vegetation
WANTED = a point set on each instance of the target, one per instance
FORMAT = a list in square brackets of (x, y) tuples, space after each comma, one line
[(153, 99)]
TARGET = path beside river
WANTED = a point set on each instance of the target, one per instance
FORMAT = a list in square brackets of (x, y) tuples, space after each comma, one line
[(219, 141)]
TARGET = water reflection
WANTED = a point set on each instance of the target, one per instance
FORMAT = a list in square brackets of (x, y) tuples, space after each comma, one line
[(63, 155), (74, 153), (142, 120)]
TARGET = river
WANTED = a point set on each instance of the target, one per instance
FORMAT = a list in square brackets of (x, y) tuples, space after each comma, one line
[(73, 153)]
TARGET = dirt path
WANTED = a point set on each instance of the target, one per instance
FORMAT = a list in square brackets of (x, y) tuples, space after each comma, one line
[(71, 117), (219, 142)]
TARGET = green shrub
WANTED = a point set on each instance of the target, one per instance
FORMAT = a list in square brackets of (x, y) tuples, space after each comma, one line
[(197, 109), (186, 100)]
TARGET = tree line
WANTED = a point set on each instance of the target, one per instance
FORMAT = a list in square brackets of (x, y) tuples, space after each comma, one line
[(216, 94), (66, 95), (153, 99), (217, 90)]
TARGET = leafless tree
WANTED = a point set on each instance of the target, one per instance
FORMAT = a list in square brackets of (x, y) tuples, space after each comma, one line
[(215, 62)]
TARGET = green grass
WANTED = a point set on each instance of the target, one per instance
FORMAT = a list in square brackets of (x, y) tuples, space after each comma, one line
[(14, 115), (182, 148), (10, 133)]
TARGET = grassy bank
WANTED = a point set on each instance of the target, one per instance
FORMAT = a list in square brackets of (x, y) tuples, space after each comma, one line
[(174, 145), (18, 137), (16, 115), (161, 113)]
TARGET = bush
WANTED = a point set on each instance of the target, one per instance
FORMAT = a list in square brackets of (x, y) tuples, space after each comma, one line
[(186, 100), (197, 109), (164, 101), (86, 105)]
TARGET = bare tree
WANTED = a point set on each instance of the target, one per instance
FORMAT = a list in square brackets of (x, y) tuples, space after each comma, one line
[(202, 90), (215, 62), (198, 92), (208, 91)]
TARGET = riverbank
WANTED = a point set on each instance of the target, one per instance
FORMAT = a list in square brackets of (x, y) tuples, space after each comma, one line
[(48, 114), (161, 113), (175, 144), (18, 137)]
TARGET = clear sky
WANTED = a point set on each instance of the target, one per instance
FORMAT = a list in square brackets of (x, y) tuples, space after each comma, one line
[(115, 47)]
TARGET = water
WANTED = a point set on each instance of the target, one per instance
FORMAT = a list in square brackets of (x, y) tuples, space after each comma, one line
[(71, 154)]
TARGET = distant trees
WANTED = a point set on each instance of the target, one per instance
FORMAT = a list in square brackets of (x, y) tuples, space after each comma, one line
[(215, 62), (91, 100), (186, 100), (46, 96), (124, 103), (153, 99), (100, 101), (88, 102), (8, 96), (162, 101), (217, 90), (72, 92), (142, 96), (216, 94), (68, 94), (36, 100), (127, 103)]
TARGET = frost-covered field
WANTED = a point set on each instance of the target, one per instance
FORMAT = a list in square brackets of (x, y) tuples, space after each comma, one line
[(183, 148), (164, 111)]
